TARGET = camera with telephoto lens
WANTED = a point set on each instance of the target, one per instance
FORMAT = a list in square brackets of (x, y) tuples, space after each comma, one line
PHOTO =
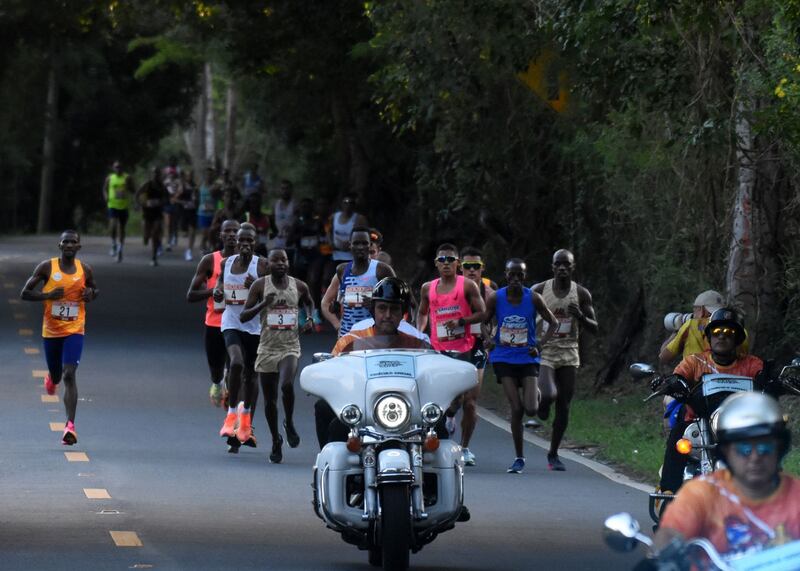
[(674, 321)]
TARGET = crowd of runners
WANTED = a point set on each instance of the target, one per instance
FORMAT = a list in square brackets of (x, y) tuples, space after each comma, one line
[(266, 278)]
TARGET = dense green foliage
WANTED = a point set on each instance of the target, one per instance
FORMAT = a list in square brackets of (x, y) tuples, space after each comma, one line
[(609, 127)]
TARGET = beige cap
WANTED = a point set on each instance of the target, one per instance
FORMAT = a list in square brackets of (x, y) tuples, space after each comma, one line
[(710, 299)]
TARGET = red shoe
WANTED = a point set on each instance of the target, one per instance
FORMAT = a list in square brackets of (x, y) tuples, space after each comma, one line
[(49, 385), (70, 437), (245, 430), (229, 426)]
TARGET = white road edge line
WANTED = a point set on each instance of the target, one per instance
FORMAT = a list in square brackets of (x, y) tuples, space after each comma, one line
[(601, 469)]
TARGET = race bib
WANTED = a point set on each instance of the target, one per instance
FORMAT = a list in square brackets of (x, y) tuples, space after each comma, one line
[(514, 336), (475, 329), (236, 294), (445, 333), (564, 326), (282, 317), (357, 296), (308, 242), (65, 310)]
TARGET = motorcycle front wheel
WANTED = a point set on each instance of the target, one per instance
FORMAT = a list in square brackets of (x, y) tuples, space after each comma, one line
[(395, 526)]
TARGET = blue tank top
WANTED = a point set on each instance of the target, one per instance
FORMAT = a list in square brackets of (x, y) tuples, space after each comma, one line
[(516, 329), (355, 295)]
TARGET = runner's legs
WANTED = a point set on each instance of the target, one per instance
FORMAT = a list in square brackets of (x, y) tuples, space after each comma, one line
[(565, 378)]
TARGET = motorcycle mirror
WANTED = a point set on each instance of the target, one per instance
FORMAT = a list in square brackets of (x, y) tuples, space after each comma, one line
[(319, 357), (622, 532), (796, 362), (641, 370)]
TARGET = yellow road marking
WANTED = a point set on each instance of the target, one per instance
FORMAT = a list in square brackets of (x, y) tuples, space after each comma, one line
[(126, 539), (31, 351), (49, 398), (97, 493), (19, 316), (25, 332), (56, 426), (41, 373), (76, 456)]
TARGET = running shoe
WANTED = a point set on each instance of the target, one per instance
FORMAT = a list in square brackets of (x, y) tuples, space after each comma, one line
[(154, 262), (533, 423), (450, 425), (517, 466), (187, 255), (317, 319), (245, 429), (233, 445), (215, 394), (251, 442), (554, 463), (119, 255), (291, 435), (70, 437), (469, 457), (113, 251), (229, 426), (49, 385), (276, 456)]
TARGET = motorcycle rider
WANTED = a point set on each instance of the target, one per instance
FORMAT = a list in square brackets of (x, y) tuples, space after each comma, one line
[(725, 333), (751, 505), (390, 300)]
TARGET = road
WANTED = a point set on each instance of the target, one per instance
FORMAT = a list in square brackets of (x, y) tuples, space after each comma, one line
[(149, 436)]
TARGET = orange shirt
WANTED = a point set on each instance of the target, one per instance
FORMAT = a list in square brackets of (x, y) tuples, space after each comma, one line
[(213, 310), (65, 316), (701, 510), (350, 342), (693, 367)]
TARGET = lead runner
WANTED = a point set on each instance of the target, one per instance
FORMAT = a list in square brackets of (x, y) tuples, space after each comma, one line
[(67, 286)]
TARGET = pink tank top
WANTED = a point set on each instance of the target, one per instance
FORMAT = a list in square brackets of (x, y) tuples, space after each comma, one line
[(443, 308), (214, 313)]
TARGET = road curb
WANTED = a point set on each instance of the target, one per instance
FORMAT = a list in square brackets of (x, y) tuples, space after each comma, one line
[(593, 465)]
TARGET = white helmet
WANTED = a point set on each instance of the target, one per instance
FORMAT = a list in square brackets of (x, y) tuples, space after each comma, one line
[(751, 415)]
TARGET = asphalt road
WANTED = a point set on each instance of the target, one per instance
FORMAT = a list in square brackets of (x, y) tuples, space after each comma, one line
[(150, 437)]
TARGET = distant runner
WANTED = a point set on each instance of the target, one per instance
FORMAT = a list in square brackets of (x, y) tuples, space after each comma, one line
[(67, 286), (117, 192)]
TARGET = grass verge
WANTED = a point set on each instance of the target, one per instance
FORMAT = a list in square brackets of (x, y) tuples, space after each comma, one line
[(615, 427)]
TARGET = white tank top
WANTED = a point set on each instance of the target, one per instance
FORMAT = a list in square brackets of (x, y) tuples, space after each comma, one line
[(341, 237), (284, 220), (236, 296)]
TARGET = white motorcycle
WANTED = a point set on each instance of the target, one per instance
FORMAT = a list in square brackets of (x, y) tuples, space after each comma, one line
[(393, 486)]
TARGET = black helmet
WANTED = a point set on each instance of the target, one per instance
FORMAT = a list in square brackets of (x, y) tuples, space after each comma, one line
[(750, 415), (726, 317), (393, 290)]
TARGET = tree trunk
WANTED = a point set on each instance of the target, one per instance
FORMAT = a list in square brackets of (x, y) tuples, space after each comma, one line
[(194, 137), (357, 163), (48, 149), (742, 274), (210, 125), (230, 128)]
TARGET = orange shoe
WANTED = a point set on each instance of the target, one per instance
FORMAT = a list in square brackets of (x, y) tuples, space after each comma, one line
[(245, 430), (229, 426)]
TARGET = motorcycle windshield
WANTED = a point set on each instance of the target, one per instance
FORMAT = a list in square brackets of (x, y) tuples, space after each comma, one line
[(360, 377)]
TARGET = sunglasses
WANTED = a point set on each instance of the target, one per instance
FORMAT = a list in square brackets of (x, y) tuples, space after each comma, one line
[(446, 259), (472, 265), (727, 331), (744, 449)]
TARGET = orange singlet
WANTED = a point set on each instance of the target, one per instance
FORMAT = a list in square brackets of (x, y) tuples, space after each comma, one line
[(214, 310), (65, 316)]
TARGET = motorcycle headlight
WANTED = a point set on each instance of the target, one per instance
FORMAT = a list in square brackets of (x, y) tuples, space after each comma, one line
[(350, 415), (391, 412), (431, 413)]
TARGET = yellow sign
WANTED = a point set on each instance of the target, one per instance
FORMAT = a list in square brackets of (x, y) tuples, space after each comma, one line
[(546, 78)]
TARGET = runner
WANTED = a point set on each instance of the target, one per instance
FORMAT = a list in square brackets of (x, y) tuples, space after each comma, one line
[(117, 190), (237, 274), (513, 351), (152, 195), (571, 303), (284, 214), (252, 183), (261, 222), (229, 211), (451, 303), (206, 207), (201, 288), (67, 286), (323, 268), (278, 298), (188, 203), (472, 268), (351, 286), (342, 224)]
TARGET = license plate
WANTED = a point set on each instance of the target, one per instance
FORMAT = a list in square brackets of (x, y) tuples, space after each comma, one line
[(720, 383)]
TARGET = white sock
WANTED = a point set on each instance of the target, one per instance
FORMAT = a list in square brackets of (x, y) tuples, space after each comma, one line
[(231, 410)]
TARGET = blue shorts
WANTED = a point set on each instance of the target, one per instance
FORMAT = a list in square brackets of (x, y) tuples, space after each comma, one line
[(60, 351), (204, 221), (121, 214)]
